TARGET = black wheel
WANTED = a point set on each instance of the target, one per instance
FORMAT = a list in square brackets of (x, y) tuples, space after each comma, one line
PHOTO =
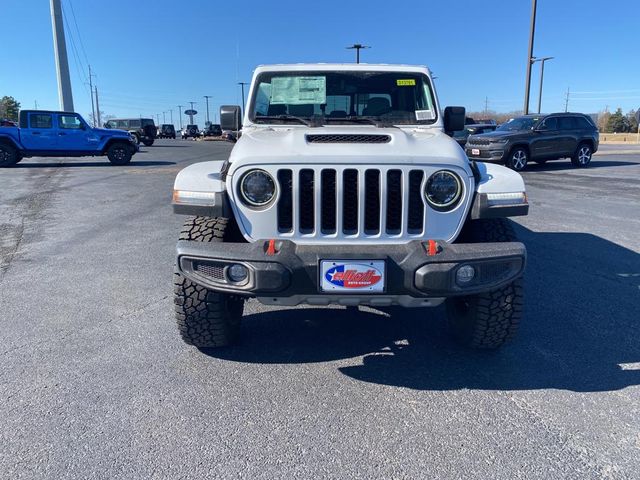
[(8, 155), (119, 153), (147, 142), (582, 157), (206, 319), (518, 159), (487, 320)]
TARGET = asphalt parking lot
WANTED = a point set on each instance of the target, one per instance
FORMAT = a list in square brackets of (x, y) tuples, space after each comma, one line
[(95, 382)]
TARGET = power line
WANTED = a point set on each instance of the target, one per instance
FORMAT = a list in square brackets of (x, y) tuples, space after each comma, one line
[(73, 14)]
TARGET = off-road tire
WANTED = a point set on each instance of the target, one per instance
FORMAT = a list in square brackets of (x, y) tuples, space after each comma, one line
[(119, 153), (8, 155), (518, 159), (147, 142), (582, 156), (206, 319), (487, 320)]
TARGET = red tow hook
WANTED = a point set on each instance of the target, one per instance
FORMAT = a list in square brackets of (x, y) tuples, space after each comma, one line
[(432, 248), (271, 248)]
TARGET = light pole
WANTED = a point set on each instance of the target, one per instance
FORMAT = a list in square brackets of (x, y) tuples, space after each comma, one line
[(357, 47), (180, 115), (242, 84), (62, 62), (171, 115), (191, 115), (532, 30), (207, 97), (164, 118), (541, 60)]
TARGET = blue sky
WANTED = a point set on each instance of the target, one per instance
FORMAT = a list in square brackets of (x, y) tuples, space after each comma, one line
[(150, 59)]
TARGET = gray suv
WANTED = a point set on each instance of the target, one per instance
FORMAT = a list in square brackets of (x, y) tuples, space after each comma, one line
[(538, 138)]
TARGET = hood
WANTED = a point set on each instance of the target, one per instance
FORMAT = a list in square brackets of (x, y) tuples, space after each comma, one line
[(296, 145), (110, 132), (501, 134)]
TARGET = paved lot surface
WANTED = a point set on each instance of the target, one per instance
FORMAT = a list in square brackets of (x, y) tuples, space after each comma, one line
[(95, 383)]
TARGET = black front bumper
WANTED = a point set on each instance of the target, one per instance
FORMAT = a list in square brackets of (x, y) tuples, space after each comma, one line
[(294, 269)]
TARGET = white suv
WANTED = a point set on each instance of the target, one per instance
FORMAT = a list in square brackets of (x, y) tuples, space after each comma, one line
[(345, 188)]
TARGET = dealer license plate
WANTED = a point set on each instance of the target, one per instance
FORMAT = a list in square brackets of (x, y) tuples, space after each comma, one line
[(352, 276), (475, 151)]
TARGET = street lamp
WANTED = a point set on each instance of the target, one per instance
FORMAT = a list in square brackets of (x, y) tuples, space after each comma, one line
[(357, 47), (541, 60), (532, 31)]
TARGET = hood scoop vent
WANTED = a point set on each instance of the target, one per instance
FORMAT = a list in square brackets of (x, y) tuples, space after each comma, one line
[(348, 138)]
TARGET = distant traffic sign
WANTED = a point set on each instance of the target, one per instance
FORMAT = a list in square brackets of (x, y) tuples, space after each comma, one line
[(190, 112)]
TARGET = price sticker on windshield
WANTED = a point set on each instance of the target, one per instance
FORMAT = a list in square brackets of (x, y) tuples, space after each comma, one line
[(407, 82)]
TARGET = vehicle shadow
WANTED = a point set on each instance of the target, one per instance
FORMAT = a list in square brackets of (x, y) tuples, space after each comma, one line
[(106, 163), (567, 165), (579, 333)]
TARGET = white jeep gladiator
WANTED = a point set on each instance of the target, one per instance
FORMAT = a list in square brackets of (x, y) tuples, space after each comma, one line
[(346, 188)]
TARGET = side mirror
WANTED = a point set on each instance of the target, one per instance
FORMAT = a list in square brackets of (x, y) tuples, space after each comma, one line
[(454, 118), (230, 117)]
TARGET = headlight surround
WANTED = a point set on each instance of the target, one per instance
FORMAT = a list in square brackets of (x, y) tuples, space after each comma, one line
[(500, 140), (257, 188), (443, 190)]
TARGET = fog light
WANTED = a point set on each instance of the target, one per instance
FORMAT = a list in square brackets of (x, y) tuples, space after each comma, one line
[(465, 274), (237, 273)]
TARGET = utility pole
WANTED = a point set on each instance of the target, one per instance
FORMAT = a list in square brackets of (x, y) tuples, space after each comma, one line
[(180, 115), (566, 101), (242, 84), (35, 102), (357, 47), (62, 62), (530, 56), (98, 109), (486, 106), (171, 113), (93, 111), (164, 118), (541, 60), (207, 97)]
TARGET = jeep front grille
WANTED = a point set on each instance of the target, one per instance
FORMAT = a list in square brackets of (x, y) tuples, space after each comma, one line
[(353, 202), (478, 141)]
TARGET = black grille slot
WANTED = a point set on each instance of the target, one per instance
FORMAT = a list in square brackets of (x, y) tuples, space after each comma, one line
[(348, 138), (394, 201), (306, 203), (416, 206), (285, 204), (350, 201), (215, 271), (478, 141), (328, 207), (372, 202)]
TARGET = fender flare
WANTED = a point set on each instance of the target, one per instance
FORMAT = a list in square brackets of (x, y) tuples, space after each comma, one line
[(497, 179), (12, 142), (206, 178)]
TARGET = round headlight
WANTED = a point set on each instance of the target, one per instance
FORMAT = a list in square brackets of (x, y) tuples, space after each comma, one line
[(257, 188), (443, 190)]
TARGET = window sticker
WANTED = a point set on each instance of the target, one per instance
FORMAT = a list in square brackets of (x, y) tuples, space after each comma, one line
[(298, 90), (409, 82), (425, 115)]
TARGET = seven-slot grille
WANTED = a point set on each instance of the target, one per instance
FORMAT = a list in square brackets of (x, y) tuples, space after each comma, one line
[(479, 141), (358, 202)]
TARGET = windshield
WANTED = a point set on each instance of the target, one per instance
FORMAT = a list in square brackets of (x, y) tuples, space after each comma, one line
[(343, 97), (516, 124)]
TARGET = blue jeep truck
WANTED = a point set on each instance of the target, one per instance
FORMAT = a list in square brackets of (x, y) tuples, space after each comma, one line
[(43, 133)]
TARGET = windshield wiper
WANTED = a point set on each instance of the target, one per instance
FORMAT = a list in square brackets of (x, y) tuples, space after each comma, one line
[(368, 120), (286, 118)]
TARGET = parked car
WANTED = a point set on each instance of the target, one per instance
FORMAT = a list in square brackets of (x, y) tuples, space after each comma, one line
[(167, 131), (190, 131), (142, 129), (5, 122), (462, 135), (212, 130), (378, 207), (539, 138), (44, 133)]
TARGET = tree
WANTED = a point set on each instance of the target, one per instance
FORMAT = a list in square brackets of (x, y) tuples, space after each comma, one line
[(9, 108), (618, 123), (633, 123), (104, 118), (603, 121)]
